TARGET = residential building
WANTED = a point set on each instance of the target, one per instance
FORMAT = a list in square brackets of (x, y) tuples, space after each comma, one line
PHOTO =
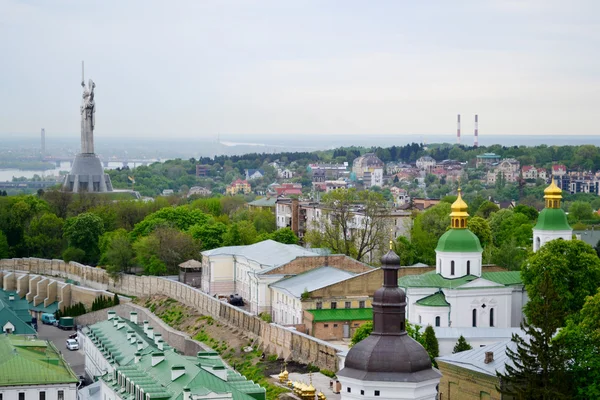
[(472, 374), (508, 169), (459, 293), (287, 294), (426, 163), (243, 270), (285, 174), (373, 178), (366, 163), (324, 171), (199, 191), (487, 159), (264, 203), (202, 170), (392, 168), (400, 195), (552, 220), (318, 175), (238, 186), (168, 192), (32, 369), (14, 314), (424, 204), (388, 364), (252, 174), (287, 189), (531, 172), (130, 361)]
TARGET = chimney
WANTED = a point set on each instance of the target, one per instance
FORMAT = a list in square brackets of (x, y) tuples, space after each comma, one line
[(219, 371), (146, 327), (129, 334), (120, 323), (140, 345), (11, 297), (160, 344), (157, 337), (157, 357), (115, 320), (138, 357), (111, 315), (133, 317), (177, 371), (458, 129), (476, 141), (489, 357), (150, 332), (187, 394), (133, 339)]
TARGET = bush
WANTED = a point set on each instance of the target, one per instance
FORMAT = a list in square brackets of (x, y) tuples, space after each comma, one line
[(73, 254), (461, 345), (328, 373), (266, 317)]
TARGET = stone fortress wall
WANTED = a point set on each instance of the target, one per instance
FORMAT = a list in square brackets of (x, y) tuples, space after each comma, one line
[(274, 338)]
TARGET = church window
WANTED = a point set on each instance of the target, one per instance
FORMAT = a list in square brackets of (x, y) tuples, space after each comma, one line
[(474, 318), (348, 390), (319, 305), (462, 223), (419, 319), (491, 317), (452, 267), (361, 304), (347, 304), (377, 393), (362, 392), (468, 267), (333, 305), (437, 321)]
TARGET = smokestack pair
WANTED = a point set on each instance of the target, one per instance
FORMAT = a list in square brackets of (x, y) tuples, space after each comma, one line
[(476, 141)]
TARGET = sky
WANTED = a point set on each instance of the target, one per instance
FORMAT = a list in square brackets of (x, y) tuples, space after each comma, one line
[(198, 69)]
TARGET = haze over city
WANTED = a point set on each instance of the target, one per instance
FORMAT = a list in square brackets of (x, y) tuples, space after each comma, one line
[(192, 69)]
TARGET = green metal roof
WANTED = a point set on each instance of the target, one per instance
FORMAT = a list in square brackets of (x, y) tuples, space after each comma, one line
[(31, 362), (156, 380), (505, 278), (435, 300), (16, 312), (264, 202), (552, 219), (459, 240), (50, 309), (434, 280), (488, 155), (342, 314)]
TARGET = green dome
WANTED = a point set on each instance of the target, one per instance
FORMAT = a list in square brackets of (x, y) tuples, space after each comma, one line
[(459, 240), (552, 219)]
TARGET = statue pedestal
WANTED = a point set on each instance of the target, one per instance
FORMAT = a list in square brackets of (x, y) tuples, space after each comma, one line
[(87, 175)]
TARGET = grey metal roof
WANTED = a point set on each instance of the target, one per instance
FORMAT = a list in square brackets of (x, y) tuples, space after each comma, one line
[(469, 332), (269, 253), (311, 280), (473, 359)]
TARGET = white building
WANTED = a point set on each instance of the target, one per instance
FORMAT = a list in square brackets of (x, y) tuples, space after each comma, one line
[(284, 173), (552, 221), (458, 294), (286, 294), (242, 270), (32, 369), (426, 163)]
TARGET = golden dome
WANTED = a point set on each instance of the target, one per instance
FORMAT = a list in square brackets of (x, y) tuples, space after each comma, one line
[(459, 212), (553, 196), (552, 189)]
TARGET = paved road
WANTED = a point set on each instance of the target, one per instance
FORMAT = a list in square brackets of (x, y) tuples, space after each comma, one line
[(75, 358)]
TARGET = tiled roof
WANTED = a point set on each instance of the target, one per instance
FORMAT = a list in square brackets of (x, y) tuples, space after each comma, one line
[(311, 280), (269, 253), (435, 300), (342, 314), (31, 362)]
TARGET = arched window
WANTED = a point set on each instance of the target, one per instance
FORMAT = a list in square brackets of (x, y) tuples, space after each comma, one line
[(452, 267), (474, 318), (491, 317), (419, 320), (468, 267), (538, 242), (437, 321), (462, 223)]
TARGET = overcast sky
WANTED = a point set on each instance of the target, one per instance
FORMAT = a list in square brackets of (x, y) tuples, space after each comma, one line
[(198, 68)]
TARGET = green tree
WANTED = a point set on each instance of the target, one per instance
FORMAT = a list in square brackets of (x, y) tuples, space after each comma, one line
[(116, 300), (427, 229), (284, 235), (361, 333), (73, 254), (182, 218), (119, 256), (486, 209), (528, 211), (461, 345), (83, 232), (509, 255), (3, 246), (481, 228), (431, 344), (405, 250), (164, 249), (209, 234), (580, 210), (44, 237), (572, 267)]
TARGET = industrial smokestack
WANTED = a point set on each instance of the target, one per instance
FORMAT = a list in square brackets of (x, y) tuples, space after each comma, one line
[(458, 130), (43, 142), (476, 142)]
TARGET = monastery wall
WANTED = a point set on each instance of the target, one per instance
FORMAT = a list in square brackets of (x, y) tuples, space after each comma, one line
[(274, 338)]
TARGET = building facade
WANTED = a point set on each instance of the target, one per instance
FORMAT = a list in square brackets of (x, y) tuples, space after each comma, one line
[(238, 186)]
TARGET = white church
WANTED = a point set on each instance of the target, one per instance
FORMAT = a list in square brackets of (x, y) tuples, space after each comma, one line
[(459, 294)]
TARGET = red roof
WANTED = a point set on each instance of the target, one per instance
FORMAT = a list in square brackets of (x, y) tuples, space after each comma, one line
[(239, 182), (556, 167), (527, 168)]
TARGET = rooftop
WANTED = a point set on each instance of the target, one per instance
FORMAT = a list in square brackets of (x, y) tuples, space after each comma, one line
[(435, 300), (434, 280), (25, 361), (474, 359), (269, 253), (16, 312), (264, 202), (311, 280)]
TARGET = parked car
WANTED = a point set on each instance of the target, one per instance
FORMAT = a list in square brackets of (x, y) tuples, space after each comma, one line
[(48, 319), (72, 344), (73, 336)]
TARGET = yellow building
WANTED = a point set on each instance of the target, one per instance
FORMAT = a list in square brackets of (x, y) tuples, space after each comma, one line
[(238, 186)]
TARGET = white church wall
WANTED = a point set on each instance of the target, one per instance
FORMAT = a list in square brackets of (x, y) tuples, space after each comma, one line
[(463, 302), (444, 264), (541, 237), (427, 315), (371, 390)]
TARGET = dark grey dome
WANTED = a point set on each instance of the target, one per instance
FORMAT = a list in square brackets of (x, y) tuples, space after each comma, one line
[(391, 259)]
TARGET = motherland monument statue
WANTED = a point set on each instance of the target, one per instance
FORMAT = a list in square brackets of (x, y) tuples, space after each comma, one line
[(87, 173)]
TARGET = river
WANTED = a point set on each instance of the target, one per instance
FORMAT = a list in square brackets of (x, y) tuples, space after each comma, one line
[(8, 173)]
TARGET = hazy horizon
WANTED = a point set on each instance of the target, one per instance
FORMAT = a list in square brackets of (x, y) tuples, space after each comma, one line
[(255, 69)]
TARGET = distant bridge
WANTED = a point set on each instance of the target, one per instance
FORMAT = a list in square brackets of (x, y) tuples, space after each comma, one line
[(28, 184), (124, 161)]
